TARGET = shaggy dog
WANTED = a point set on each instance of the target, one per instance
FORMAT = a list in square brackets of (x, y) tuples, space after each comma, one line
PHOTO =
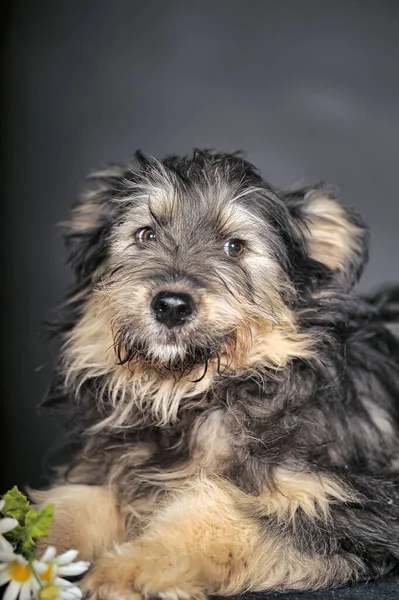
[(234, 402)]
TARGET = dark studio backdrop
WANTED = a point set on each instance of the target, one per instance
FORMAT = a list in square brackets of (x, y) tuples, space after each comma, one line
[(310, 89)]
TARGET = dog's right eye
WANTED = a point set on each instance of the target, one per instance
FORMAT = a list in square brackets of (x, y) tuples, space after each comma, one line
[(234, 247), (146, 234)]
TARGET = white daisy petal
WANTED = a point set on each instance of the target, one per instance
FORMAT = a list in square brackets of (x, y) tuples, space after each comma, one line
[(74, 569), (60, 582), (72, 593), (25, 591), (67, 557), (39, 566), (49, 554), (34, 586), (5, 545), (12, 591), (20, 559), (2, 504), (5, 576), (7, 524), (7, 555)]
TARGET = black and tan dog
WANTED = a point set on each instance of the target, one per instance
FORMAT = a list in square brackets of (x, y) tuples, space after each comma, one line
[(234, 402)]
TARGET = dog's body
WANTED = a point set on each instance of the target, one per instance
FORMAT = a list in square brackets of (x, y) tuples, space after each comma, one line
[(235, 403)]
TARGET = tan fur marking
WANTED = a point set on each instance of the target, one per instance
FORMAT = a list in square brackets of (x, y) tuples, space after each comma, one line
[(312, 493), (204, 541), (332, 239), (210, 441), (276, 346), (86, 518), (89, 213)]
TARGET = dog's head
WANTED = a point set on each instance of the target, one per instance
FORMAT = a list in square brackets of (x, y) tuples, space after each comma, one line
[(190, 266)]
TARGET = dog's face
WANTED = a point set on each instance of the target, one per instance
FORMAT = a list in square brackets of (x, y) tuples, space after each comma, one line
[(192, 264), (192, 268)]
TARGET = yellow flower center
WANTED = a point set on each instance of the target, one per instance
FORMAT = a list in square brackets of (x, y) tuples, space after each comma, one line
[(47, 575), (49, 592), (20, 573)]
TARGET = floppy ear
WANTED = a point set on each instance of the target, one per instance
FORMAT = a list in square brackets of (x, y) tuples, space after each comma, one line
[(334, 234), (87, 231)]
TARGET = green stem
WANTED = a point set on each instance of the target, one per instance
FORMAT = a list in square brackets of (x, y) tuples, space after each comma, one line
[(36, 576)]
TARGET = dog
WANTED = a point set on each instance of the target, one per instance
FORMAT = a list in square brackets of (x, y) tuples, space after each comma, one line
[(233, 402)]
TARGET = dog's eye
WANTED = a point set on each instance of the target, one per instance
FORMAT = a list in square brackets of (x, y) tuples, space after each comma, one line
[(234, 247), (146, 234)]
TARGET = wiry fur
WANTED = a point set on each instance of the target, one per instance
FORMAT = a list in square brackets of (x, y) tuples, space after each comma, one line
[(256, 446)]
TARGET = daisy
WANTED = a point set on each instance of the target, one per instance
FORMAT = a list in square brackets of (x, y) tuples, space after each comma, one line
[(20, 576), (6, 525), (58, 592), (55, 587)]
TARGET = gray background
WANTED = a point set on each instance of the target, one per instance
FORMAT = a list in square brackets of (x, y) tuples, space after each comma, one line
[(309, 89)]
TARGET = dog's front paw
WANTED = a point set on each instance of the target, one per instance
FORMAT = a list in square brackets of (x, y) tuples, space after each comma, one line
[(142, 571)]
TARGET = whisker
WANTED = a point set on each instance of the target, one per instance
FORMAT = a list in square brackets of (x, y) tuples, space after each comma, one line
[(204, 373)]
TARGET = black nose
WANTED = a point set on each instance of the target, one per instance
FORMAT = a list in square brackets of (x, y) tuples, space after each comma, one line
[(172, 308)]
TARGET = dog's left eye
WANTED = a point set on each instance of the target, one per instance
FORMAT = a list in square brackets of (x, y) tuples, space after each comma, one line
[(146, 234), (234, 247)]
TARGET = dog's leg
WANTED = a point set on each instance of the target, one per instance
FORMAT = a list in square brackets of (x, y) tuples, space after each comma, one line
[(213, 539), (86, 518)]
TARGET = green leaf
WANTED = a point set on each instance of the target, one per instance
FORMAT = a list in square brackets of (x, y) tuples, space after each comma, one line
[(16, 505), (36, 525)]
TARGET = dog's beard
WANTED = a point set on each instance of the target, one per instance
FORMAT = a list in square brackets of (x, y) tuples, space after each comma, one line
[(172, 357)]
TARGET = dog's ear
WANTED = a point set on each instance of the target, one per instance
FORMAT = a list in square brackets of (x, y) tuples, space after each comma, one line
[(335, 235), (86, 232)]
